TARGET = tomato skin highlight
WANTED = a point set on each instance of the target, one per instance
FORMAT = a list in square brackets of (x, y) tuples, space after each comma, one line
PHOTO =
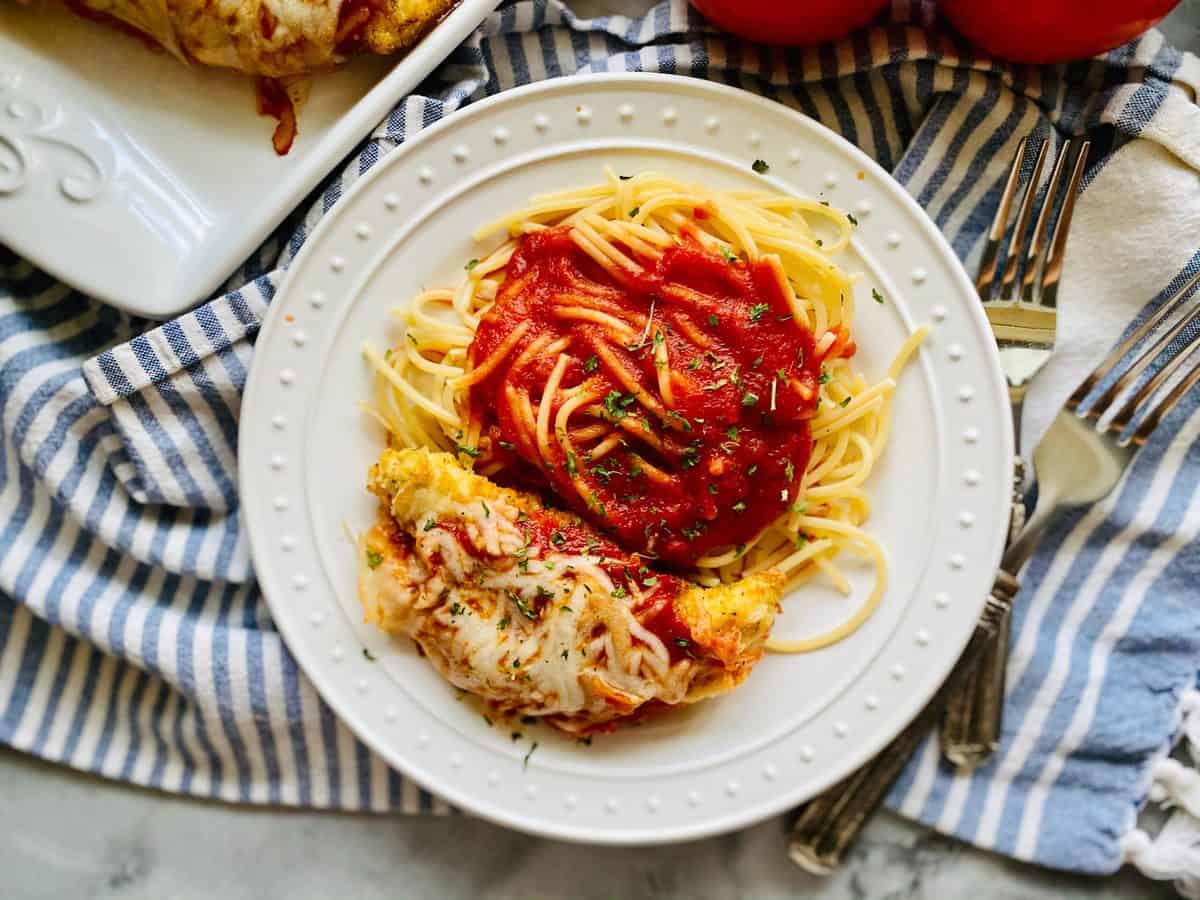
[(789, 22), (1052, 31)]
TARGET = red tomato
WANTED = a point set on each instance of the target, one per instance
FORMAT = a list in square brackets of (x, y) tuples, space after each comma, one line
[(1047, 31), (789, 21)]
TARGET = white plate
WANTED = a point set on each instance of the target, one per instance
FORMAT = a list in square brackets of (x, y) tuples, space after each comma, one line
[(143, 182), (799, 723)]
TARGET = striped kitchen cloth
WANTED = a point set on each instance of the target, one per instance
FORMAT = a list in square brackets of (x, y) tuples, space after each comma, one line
[(133, 639)]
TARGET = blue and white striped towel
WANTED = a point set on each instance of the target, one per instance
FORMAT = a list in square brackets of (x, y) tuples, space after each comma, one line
[(133, 640)]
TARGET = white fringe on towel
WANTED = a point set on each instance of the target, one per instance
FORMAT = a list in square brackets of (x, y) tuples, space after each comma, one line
[(1174, 854)]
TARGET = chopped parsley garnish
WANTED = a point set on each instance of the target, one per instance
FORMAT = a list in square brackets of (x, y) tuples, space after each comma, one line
[(757, 311), (760, 166), (750, 471), (456, 608), (503, 623), (487, 513), (525, 761), (690, 458), (730, 256), (682, 642), (749, 398), (624, 177), (781, 374), (825, 377), (876, 296), (565, 653), (716, 385), (633, 212), (558, 539), (572, 467), (789, 471), (713, 320), (521, 603), (471, 264), (507, 445), (651, 581), (619, 591), (368, 655), (732, 433), (713, 489), (757, 362), (591, 364), (820, 243), (680, 418), (429, 525), (602, 473), (374, 558), (740, 506), (472, 452), (617, 404), (694, 364), (852, 220), (845, 402), (694, 532)]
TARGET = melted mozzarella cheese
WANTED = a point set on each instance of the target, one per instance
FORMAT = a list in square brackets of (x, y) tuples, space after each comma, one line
[(533, 630)]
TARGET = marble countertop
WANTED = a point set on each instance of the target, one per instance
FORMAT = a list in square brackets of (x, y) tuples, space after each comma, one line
[(66, 835)]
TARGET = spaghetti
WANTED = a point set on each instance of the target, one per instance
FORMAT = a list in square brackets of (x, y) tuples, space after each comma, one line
[(674, 363)]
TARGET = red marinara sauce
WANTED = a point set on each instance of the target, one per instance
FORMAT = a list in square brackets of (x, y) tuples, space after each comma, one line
[(732, 457)]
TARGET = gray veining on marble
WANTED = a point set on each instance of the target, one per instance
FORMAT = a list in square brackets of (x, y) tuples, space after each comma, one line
[(65, 836)]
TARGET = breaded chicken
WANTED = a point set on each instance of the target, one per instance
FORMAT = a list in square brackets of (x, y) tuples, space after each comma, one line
[(272, 38), (532, 610)]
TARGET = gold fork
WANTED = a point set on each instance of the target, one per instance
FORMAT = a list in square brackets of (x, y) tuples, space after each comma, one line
[(1024, 321)]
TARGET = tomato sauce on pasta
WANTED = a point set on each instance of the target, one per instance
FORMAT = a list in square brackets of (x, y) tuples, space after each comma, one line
[(669, 406)]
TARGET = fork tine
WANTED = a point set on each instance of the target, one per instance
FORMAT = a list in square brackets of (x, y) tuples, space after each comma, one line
[(1052, 268), (991, 250), (1016, 244), (1164, 406), (1136, 368), (1035, 255), (1119, 352), (1131, 406)]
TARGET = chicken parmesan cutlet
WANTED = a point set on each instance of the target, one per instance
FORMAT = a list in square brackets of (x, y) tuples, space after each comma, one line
[(535, 612)]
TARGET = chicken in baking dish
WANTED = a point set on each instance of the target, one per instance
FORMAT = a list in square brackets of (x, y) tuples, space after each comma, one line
[(281, 41), (272, 38), (533, 611)]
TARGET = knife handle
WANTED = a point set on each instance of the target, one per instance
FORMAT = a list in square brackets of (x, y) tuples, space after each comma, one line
[(827, 825), (974, 716)]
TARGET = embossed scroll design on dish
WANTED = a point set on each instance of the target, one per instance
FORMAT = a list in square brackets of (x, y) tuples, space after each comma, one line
[(27, 127)]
